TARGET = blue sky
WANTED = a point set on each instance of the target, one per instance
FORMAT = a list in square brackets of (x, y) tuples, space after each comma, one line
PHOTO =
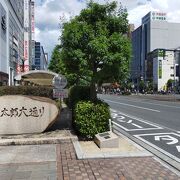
[(49, 14)]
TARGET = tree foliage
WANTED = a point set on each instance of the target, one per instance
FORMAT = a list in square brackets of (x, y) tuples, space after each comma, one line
[(55, 60), (170, 83), (57, 65), (95, 46)]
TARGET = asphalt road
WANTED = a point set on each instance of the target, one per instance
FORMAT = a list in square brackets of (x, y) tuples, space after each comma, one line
[(164, 113), (155, 123)]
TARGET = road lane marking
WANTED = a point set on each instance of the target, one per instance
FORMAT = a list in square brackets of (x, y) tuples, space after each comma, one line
[(178, 148), (137, 126), (163, 105), (120, 117), (140, 101), (139, 107), (147, 121), (128, 130), (142, 138), (166, 138)]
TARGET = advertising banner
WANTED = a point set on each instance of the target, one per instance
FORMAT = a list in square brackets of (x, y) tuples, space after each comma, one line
[(32, 20), (160, 69), (26, 13), (26, 51)]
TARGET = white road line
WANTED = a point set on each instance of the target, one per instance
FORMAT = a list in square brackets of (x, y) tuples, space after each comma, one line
[(163, 105), (158, 148), (137, 125), (122, 127), (147, 121), (156, 104), (133, 106), (153, 134)]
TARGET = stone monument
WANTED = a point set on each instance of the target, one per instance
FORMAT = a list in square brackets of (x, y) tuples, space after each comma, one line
[(26, 114)]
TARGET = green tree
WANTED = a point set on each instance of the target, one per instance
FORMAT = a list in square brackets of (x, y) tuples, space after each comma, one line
[(142, 86), (95, 46), (55, 59), (170, 84), (56, 65)]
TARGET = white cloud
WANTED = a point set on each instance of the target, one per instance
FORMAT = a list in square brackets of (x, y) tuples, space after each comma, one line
[(48, 38), (171, 7), (47, 18), (136, 14), (48, 13)]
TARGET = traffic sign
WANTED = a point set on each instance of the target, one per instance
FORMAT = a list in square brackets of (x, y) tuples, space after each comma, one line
[(59, 82), (60, 93)]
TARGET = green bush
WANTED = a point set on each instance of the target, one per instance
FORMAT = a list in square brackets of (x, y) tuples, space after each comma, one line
[(42, 91), (91, 118), (78, 93)]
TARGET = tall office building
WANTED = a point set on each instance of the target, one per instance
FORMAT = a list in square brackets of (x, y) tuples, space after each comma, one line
[(155, 32), (11, 39), (41, 58)]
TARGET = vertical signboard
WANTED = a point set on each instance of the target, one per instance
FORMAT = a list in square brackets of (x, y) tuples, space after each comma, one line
[(160, 69), (32, 20), (26, 14), (26, 35), (26, 51)]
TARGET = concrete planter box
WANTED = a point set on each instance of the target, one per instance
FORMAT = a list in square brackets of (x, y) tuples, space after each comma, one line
[(107, 140)]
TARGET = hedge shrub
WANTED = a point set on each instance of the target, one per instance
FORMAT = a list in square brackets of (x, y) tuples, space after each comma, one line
[(78, 93), (42, 91), (91, 118)]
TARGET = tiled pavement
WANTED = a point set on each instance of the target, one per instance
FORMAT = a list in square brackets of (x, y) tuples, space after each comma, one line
[(63, 165), (141, 168), (58, 161)]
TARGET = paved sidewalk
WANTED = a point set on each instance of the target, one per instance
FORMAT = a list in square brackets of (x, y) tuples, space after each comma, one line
[(59, 160), (131, 168), (50, 162)]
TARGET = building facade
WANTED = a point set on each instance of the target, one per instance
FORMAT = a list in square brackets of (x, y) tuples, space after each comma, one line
[(4, 53), (41, 58), (163, 65), (16, 38), (11, 39), (155, 32)]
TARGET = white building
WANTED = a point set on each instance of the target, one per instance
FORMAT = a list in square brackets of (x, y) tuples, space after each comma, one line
[(155, 32), (162, 65)]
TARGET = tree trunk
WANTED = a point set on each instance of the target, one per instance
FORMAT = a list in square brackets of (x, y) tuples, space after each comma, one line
[(93, 92)]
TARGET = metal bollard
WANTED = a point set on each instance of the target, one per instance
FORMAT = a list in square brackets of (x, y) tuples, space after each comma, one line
[(110, 125)]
